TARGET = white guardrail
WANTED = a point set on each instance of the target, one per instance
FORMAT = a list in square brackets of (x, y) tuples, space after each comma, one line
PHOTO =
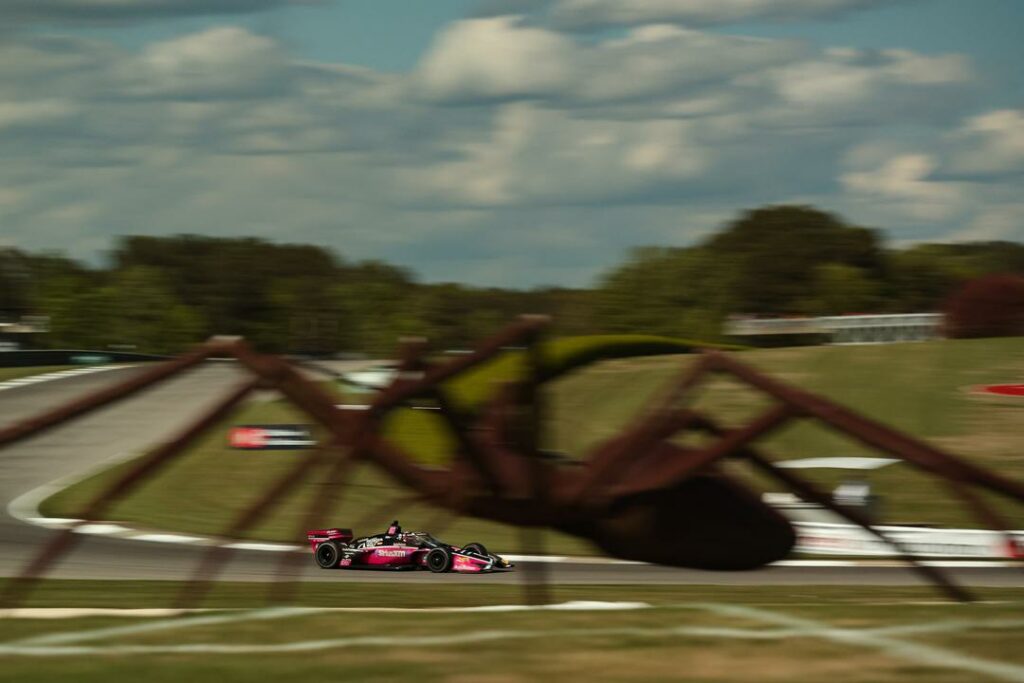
[(822, 538)]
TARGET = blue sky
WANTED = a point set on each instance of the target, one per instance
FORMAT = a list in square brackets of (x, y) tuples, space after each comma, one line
[(517, 142), (392, 34)]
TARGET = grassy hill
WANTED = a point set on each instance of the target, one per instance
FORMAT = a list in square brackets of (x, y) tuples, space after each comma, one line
[(919, 388)]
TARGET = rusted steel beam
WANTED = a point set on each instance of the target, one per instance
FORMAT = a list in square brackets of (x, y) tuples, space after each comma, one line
[(499, 473), (873, 433), (622, 452), (671, 471), (490, 348), (217, 556), (668, 399), (387, 508), (493, 434), (663, 418), (258, 510), (808, 491), (307, 395), (359, 437), (987, 515), (469, 448), (105, 396), (341, 470), (166, 452), (412, 352), (347, 428), (527, 434), (442, 519), (430, 482)]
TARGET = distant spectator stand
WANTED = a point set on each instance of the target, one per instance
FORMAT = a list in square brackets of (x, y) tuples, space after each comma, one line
[(838, 329)]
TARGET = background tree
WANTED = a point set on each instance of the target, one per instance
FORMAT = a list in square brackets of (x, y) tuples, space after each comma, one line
[(774, 253), (841, 289), (991, 306), (164, 293), (68, 294), (229, 281), (15, 284), (672, 292), (142, 313), (378, 305)]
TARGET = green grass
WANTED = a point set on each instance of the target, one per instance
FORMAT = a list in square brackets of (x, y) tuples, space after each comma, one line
[(464, 591), (661, 642), (18, 373), (915, 387)]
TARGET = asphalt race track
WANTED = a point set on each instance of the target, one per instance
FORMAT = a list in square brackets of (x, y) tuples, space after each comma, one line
[(148, 418)]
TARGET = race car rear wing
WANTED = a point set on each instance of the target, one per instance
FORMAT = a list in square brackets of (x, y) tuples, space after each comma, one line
[(317, 536)]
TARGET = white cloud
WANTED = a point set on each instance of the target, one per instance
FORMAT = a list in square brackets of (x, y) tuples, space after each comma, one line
[(545, 156), (659, 61), (499, 59), (660, 71), (854, 86), (905, 182), (495, 58), (990, 143), (574, 147), (665, 113), (215, 63), (34, 112), (957, 185)]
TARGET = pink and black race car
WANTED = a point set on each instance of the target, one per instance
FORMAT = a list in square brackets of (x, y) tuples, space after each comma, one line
[(397, 549)]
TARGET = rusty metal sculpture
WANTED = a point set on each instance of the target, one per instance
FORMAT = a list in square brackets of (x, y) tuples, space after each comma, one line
[(640, 495)]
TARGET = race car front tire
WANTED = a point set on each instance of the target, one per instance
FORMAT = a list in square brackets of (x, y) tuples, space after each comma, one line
[(327, 555), (439, 560), (477, 548)]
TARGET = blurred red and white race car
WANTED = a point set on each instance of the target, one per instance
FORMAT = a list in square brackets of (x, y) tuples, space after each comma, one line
[(398, 549)]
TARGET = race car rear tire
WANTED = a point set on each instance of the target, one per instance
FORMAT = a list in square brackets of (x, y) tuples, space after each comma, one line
[(477, 548), (439, 560), (327, 555)]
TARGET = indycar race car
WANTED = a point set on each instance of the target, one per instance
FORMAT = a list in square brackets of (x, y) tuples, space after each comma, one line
[(397, 549)]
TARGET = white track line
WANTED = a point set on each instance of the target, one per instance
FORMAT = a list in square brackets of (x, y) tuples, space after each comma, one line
[(166, 625), (84, 612), (918, 653), (13, 649), (50, 376), (786, 626), (80, 612), (26, 506), (947, 627)]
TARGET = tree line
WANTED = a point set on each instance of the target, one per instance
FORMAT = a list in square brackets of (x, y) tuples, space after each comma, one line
[(161, 294)]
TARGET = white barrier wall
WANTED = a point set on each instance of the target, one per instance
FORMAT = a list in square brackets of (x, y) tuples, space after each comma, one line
[(842, 539)]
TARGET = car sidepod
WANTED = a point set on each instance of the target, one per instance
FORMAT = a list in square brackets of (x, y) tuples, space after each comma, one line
[(390, 556), (383, 557)]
